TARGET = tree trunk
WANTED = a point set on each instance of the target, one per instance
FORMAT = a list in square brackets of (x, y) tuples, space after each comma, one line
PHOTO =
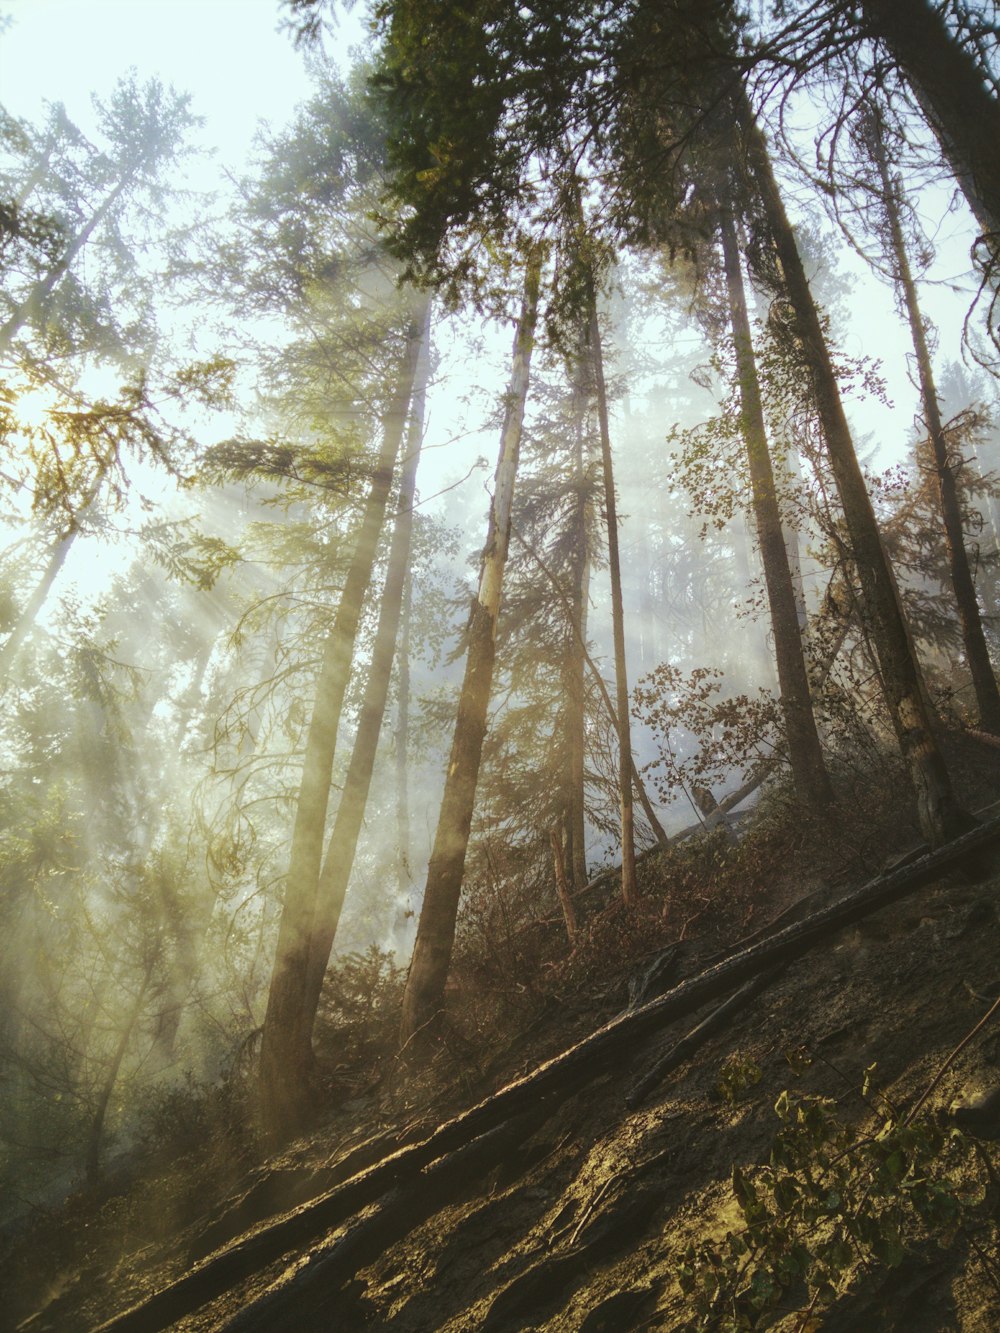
[(26, 620), (952, 92), (401, 737), (339, 861), (574, 669), (95, 1135), (976, 652), (804, 750), (940, 814), (423, 997), (630, 887), (562, 884), (286, 1053)]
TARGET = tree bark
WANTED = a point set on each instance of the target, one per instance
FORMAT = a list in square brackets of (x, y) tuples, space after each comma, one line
[(423, 997), (952, 92), (562, 884), (805, 753), (940, 815), (339, 861), (286, 1052), (575, 664), (401, 738), (976, 652), (630, 886)]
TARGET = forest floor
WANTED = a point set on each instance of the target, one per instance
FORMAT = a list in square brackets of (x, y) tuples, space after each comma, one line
[(582, 1213)]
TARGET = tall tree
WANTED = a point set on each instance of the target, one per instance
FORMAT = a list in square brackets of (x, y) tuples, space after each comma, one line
[(286, 1053), (804, 750), (630, 887), (945, 463), (940, 815), (423, 997), (339, 859), (951, 87)]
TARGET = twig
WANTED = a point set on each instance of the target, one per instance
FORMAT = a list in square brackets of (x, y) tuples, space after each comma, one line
[(950, 1060)]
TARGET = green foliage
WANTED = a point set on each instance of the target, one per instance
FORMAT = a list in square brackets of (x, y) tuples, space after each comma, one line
[(834, 1200), (359, 1013), (738, 1075)]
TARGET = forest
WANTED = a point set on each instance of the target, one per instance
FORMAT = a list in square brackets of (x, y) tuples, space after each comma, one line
[(488, 585)]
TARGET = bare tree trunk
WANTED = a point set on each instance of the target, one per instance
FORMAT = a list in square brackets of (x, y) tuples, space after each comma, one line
[(951, 89), (630, 886), (423, 997), (804, 750), (404, 872), (26, 620), (574, 670), (940, 815), (285, 1052), (562, 884), (95, 1136), (339, 860), (637, 783), (976, 651)]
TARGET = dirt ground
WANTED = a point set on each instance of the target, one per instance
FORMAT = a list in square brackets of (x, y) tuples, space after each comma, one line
[(580, 1214), (582, 1224)]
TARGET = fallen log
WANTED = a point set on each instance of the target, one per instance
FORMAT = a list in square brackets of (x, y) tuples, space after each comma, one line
[(308, 1295), (604, 1051), (708, 1027)]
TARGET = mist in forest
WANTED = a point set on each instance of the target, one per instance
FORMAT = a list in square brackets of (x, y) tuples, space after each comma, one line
[(277, 428)]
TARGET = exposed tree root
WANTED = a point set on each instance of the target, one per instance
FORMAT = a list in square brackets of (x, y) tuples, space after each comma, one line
[(609, 1048)]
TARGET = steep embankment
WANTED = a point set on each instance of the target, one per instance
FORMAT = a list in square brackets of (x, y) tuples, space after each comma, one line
[(568, 1201)]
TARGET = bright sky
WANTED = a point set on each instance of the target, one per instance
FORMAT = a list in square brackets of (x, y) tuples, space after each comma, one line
[(241, 70), (227, 53)]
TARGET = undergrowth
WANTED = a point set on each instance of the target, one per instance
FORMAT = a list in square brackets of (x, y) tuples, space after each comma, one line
[(837, 1199)]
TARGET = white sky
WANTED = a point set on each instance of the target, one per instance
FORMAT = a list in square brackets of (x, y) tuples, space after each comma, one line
[(227, 53), (241, 70)]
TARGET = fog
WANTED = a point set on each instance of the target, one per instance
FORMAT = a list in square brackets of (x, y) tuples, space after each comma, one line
[(192, 417)]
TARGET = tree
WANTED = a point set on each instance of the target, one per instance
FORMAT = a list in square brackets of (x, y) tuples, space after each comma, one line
[(945, 463), (804, 750), (424, 994), (85, 193), (339, 859), (940, 814), (950, 85), (286, 1052)]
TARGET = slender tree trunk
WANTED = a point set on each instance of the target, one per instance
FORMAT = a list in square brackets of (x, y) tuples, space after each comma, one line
[(57, 559), (285, 1053), (637, 783), (34, 604), (976, 652), (404, 873), (952, 91), (574, 670), (941, 817), (339, 860), (423, 997), (804, 750), (95, 1136), (562, 885), (630, 887)]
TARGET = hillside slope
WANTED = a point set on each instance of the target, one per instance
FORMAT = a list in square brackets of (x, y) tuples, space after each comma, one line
[(575, 1210)]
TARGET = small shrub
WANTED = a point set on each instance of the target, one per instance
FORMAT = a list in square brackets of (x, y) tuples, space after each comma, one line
[(830, 1204)]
